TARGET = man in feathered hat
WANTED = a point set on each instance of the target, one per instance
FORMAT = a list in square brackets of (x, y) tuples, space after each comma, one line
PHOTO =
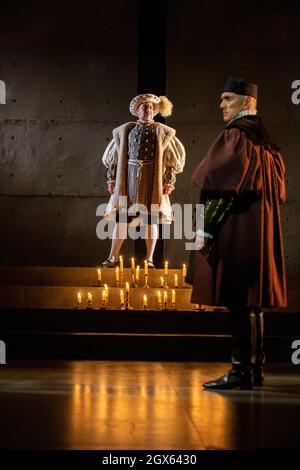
[(241, 262), (142, 161)]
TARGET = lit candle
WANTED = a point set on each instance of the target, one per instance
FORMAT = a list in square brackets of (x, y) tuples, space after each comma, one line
[(121, 264), (165, 297), (117, 274), (175, 280), (99, 274), (106, 291), (137, 273), (90, 299), (166, 267), (173, 297), (132, 264), (146, 266), (161, 281), (104, 299), (159, 298), (184, 270), (127, 287), (79, 299), (122, 301), (145, 301)]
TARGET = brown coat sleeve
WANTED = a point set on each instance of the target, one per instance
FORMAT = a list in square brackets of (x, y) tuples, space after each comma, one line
[(231, 165), (279, 172)]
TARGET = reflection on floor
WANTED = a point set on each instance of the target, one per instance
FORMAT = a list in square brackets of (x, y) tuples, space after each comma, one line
[(143, 405)]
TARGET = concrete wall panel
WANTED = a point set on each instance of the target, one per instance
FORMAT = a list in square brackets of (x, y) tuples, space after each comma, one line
[(70, 70), (51, 231), (206, 42), (50, 157)]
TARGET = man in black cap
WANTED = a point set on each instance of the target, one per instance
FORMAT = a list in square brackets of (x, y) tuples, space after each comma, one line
[(240, 262), (238, 99)]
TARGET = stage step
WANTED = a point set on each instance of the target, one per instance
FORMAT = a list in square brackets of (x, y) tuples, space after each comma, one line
[(25, 286), (136, 335), (147, 347), (57, 287), (74, 276), (20, 296), (136, 321)]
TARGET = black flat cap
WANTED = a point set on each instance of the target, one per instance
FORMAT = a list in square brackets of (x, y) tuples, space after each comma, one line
[(240, 87)]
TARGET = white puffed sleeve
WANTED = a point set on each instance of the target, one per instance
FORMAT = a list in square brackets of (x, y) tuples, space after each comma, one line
[(173, 161), (110, 160)]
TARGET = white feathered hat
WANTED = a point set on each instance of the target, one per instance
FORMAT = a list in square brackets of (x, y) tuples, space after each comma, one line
[(161, 104)]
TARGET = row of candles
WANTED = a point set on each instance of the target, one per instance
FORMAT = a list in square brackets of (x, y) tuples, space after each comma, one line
[(162, 302), (146, 267), (135, 274)]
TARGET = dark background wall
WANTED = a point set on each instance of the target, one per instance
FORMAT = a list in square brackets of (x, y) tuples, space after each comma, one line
[(71, 69)]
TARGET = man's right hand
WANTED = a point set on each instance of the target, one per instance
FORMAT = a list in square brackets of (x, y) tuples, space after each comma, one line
[(111, 187)]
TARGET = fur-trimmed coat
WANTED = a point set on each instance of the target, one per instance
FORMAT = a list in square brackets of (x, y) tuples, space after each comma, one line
[(169, 153)]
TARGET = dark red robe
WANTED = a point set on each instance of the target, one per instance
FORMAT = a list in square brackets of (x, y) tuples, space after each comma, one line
[(245, 266)]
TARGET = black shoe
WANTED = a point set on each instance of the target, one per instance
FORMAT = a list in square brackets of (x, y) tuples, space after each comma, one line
[(109, 263), (233, 379)]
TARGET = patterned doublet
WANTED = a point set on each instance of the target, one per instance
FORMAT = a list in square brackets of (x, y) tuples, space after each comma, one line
[(142, 142), (141, 150), (141, 156)]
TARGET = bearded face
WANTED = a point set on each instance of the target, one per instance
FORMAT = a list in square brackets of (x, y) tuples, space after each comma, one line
[(145, 112)]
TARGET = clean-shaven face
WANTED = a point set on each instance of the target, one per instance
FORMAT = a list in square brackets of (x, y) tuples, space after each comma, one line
[(231, 105), (145, 112)]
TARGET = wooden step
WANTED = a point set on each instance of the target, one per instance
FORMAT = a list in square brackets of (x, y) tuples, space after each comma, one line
[(22, 286), (137, 321), (24, 296), (147, 347), (74, 276), (135, 335)]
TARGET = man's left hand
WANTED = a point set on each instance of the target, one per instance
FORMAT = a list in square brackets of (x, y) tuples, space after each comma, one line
[(168, 188)]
